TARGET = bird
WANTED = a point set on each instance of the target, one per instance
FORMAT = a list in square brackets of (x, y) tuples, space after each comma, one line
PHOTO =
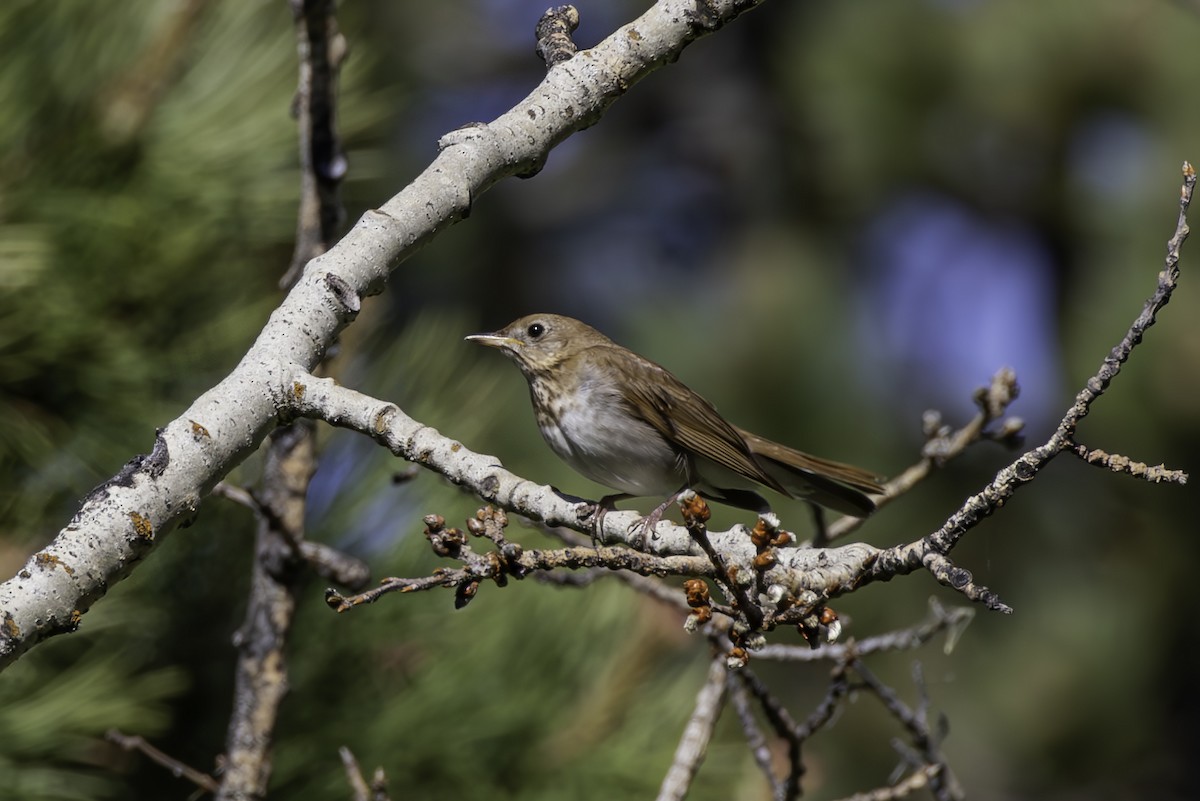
[(629, 424)]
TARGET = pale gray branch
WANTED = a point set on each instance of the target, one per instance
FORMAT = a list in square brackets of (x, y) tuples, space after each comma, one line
[(689, 754)]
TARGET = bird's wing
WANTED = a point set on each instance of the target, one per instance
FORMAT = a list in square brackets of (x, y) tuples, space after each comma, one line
[(688, 422)]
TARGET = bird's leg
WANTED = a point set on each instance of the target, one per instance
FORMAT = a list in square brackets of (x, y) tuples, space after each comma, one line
[(821, 534), (648, 523), (598, 510)]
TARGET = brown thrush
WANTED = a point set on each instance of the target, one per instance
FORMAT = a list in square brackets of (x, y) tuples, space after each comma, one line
[(625, 422)]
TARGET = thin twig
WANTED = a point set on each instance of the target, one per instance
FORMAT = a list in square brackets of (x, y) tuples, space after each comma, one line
[(944, 785), (239, 495), (328, 562), (901, 789), (480, 567), (354, 775), (785, 728), (756, 741), (694, 742), (334, 565), (177, 768), (952, 620)]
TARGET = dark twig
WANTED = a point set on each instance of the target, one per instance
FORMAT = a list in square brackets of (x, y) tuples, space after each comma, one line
[(553, 34), (481, 567), (321, 49), (280, 554), (931, 551), (756, 741), (926, 742), (792, 733), (177, 768), (261, 676), (330, 563), (785, 728), (694, 742), (939, 619)]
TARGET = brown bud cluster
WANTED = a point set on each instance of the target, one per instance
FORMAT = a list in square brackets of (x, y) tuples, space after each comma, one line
[(699, 599), (488, 522), (492, 514), (760, 535), (445, 541), (695, 511), (810, 626), (764, 560)]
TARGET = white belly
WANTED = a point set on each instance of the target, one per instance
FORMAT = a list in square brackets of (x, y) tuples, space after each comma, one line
[(596, 438)]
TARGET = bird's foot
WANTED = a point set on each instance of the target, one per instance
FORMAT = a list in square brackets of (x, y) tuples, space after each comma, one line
[(596, 511), (645, 526)]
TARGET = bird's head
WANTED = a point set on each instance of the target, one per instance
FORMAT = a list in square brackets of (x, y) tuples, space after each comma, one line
[(541, 342)]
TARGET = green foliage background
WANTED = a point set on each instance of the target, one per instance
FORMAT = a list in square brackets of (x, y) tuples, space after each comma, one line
[(714, 221)]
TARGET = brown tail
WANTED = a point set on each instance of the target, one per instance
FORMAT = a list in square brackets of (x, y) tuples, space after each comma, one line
[(840, 487)]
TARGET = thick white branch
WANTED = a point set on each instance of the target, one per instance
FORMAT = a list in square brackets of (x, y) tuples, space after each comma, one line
[(120, 522)]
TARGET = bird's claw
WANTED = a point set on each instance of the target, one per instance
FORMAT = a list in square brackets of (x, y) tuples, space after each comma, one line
[(595, 511)]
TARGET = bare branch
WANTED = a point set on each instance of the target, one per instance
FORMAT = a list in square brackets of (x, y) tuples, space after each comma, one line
[(321, 49), (952, 621), (177, 768), (491, 566), (696, 735), (261, 679), (328, 562), (918, 780), (756, 741), (1155, 474), (927, 742), (354, 775), (792, 733), (239, 495), (376, 791), (804, 574)]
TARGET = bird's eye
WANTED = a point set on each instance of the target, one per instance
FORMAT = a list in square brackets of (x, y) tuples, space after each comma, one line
[(535, 330)]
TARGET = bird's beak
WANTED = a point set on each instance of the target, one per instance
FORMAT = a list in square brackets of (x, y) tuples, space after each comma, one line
[(495, 341)]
